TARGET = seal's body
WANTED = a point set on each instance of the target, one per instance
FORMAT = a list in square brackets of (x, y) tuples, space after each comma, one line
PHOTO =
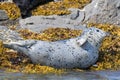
[(79, 52)]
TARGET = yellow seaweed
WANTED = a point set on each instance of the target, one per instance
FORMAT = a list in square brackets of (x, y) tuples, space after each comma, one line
[(58, 8)]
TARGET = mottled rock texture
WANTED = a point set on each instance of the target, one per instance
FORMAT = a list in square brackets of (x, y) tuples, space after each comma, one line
[(3, 15), (7, 35), (103, 11)]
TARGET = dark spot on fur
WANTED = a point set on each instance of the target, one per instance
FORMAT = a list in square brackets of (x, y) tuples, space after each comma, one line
[(79, 58), (94, 57), (50, 63), (50, 50), (45, 56), (78, 43), (39, 48), (47, 51), (96, 44), (78, 62), (59, 60), (54, 65), (38, 53), (37, 60), (73, 47), (52, 58), (59, 48), (89, 36), (66, 64)]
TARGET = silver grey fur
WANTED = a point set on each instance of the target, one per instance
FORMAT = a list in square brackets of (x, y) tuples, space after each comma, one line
[(79, 52)]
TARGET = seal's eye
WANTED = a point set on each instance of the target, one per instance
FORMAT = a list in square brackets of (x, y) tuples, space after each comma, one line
[(97, 30)]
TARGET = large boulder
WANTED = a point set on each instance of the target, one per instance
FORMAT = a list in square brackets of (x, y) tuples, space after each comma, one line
[(40, 23), (103, 11)]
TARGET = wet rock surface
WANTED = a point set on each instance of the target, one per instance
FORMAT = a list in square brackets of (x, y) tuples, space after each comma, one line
[(99, 75), (4, 19)]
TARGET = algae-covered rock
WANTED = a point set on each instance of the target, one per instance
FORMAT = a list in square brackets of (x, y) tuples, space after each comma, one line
[(11, 9), (8, 35), (58, 8)]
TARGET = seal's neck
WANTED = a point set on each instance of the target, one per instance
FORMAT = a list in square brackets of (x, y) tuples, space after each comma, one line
[(95, 40)]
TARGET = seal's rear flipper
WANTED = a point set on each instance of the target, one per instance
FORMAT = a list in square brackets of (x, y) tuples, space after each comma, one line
[(26, 43), (20, 46)]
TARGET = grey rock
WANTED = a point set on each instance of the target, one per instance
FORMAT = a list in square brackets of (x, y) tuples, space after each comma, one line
[(3, 15), (81, 16), (40, 23), (8, 35), (98, 11), (9, 22), (103, 11), (68, 75), (74, 13), (79, 52)]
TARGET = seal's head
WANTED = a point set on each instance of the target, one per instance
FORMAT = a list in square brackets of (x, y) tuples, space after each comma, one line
[(95, 35), (93, 31)]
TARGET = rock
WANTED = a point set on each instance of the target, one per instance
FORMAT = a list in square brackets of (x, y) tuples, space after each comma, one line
[(26, 6), (79, 52), (74, 13), (8, 35), (3, 15), (103, 11), (40, 23)]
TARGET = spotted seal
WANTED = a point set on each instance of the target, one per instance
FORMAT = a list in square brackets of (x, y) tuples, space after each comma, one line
[(79, 52)]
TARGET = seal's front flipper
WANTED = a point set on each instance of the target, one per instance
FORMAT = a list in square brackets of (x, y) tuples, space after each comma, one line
[(77, 42), (82, 40)]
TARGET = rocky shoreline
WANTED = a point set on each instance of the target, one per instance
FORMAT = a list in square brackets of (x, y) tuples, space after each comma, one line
[(98, 11), (105, 13)]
